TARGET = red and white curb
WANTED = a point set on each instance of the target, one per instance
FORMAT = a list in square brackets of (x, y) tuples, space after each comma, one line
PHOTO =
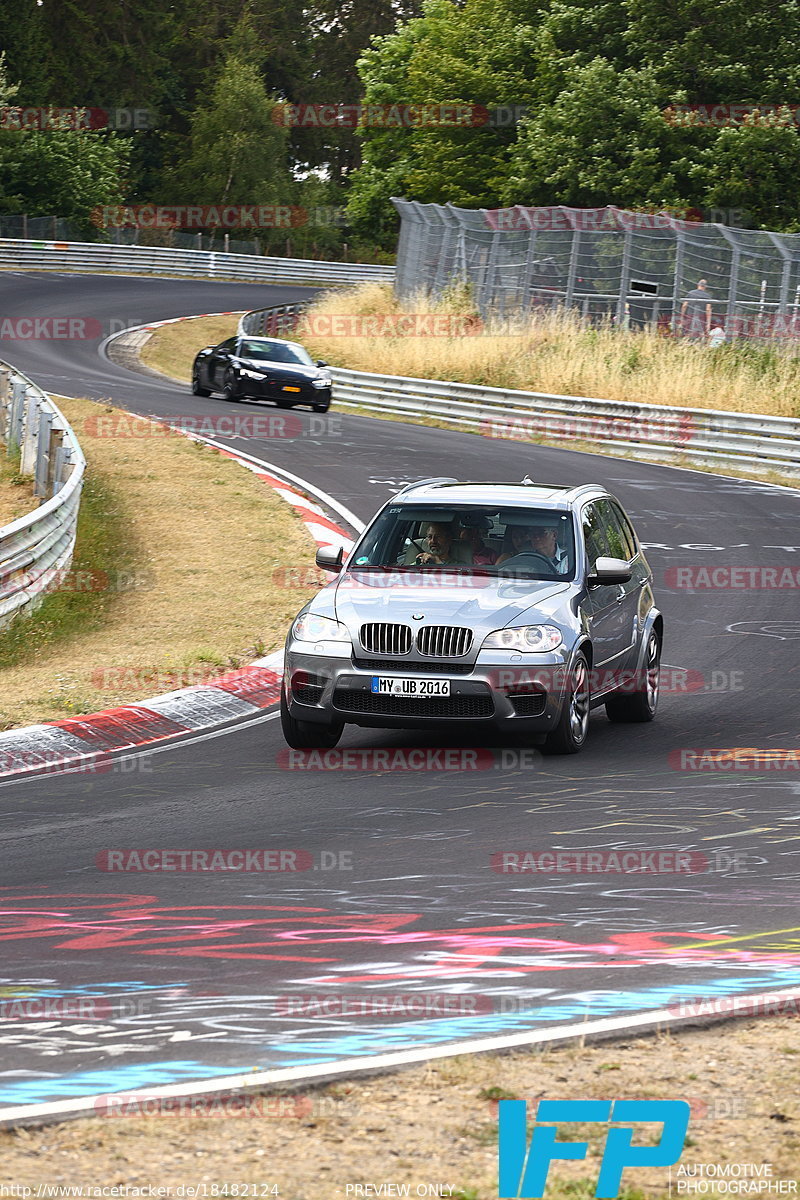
[(86, 743)]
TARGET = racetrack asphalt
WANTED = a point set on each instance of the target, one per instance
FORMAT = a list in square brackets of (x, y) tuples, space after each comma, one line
[(401, 935)]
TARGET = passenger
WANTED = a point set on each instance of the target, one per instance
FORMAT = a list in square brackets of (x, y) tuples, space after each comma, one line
[(535, 539), (482, 555)]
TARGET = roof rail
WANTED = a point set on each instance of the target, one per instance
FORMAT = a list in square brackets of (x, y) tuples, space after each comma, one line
[(424, 482)]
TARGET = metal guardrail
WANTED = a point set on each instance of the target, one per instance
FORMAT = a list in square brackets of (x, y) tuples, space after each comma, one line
[(92, 258), (711, 436), (36, 550)]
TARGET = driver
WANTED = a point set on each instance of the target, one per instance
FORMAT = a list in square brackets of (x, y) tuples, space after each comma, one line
[(439, 542)]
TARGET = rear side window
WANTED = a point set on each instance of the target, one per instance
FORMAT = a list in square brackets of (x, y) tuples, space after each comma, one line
[(595, 534), (619, 536)]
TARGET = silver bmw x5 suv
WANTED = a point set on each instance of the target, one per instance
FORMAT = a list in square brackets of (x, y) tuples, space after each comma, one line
[(517, 605)]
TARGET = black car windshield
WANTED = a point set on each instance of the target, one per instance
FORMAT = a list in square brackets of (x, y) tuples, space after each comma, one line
[(528, 543), (278, 352)]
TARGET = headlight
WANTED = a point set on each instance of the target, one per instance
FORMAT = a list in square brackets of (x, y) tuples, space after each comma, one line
[(322, 383), (310, 628), (251, 374), (530, 638)]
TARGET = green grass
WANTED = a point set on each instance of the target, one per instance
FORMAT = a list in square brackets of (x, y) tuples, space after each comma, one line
[(104, 548)]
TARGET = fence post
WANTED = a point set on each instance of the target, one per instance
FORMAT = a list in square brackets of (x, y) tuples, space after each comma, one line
[(624, 279), (573, 267), (680, 238), (16, 419)]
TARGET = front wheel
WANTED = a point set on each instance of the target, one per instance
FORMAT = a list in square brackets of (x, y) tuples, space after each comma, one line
[(321, 408), (640, 706), (569, 735), (307, 735), (229, 391), (197, 389)]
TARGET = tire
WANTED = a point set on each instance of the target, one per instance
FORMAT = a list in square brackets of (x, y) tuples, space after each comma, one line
[(307, 735), (284, 404), (640, 706), (229, 391), (320, 408), (196, 389), (569, 735)]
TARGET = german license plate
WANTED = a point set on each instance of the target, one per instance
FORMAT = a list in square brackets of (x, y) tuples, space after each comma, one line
[(402, 685)]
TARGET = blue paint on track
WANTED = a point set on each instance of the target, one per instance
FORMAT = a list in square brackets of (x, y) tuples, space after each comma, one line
[(125, 1077)]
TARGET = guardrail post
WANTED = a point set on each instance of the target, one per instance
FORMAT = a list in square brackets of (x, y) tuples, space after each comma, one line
[(42, 466), (27, 464), (16, 420), (5, 403)]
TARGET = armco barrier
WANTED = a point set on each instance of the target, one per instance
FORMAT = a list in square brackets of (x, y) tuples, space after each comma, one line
[(36, 550), (92, 258), (725, 439)]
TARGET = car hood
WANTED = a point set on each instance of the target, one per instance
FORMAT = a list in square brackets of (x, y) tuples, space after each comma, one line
[(280, 370), (482, 603)]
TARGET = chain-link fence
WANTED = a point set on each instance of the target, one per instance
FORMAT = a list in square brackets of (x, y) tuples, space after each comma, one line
[(637, 269)]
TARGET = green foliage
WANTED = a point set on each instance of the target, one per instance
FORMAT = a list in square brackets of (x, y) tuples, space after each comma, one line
[(236, 152)]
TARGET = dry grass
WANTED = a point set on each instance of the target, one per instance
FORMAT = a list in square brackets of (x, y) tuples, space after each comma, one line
[(202, 537), (438, 1123), (172, 348), (554, 353), (16, 491)]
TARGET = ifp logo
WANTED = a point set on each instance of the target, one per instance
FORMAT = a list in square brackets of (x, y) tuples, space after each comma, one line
[(523, 1170)]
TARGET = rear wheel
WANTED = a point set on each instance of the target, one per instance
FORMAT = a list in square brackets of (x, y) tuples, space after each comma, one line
[(640, 705), (197, 390), (307, 735), (569, 735)]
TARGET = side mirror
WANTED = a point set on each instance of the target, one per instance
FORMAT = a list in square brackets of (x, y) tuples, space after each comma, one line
[(609, 570), (321, 363), (330, 558)]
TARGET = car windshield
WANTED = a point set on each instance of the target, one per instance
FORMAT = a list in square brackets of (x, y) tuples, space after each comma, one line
[(528, 543), (278, 352)]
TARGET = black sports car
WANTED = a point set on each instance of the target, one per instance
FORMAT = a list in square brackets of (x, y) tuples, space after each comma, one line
[(259, 368)]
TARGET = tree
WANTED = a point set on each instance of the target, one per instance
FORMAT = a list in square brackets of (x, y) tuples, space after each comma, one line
[(236, 152), (477, 55), (604, 140)]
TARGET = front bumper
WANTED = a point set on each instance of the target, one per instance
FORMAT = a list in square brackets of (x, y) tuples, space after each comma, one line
[(509, 691), (263, 389)]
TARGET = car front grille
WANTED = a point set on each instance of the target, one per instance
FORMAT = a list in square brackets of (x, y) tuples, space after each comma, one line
[(356, 700), (444, 641), (408, 668), (382, 637)]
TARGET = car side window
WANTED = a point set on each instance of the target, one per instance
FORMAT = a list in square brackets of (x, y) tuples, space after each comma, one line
[(628, 531), (228, 345), (616, 537), (594, 534)]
